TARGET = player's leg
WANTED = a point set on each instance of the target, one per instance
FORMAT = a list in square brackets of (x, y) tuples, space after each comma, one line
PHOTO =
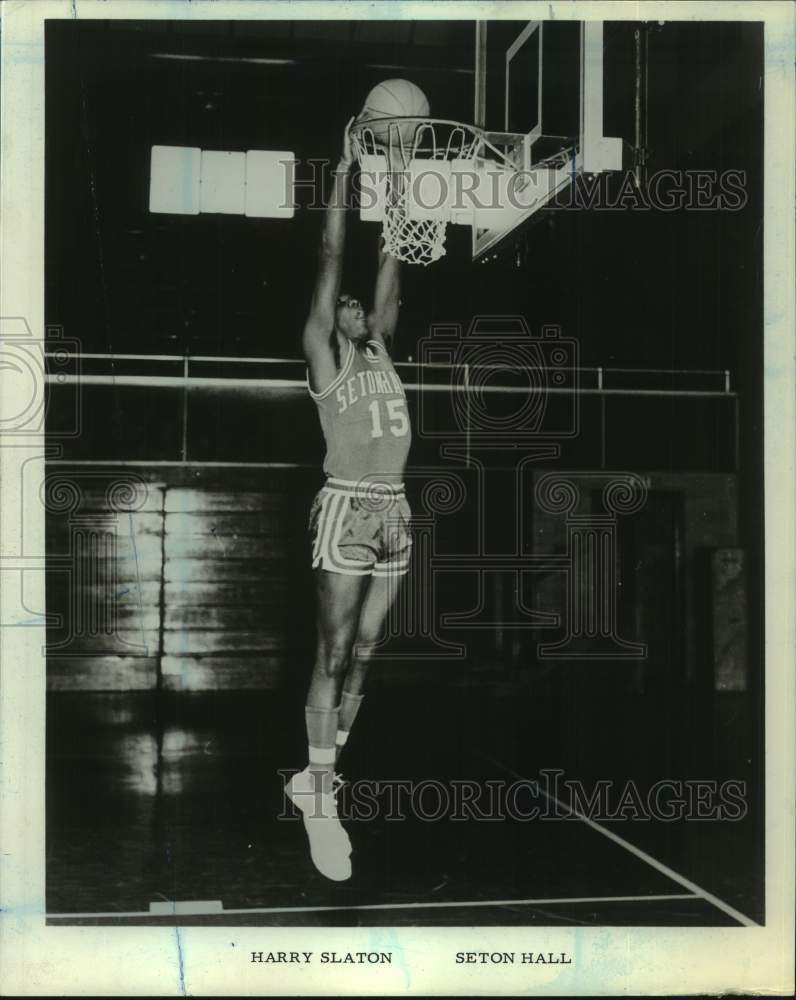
[(339, 603), (343, 566), (340, 600), (381, 596), (383, 591), (379, 600)]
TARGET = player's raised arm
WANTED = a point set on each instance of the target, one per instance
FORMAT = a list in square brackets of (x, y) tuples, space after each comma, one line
[(320, 321), (386, 300)]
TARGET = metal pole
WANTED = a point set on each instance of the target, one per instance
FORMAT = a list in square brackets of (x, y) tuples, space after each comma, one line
[(479, 111)]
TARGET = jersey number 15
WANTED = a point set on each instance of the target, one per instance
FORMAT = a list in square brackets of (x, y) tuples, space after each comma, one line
[(396, 414)]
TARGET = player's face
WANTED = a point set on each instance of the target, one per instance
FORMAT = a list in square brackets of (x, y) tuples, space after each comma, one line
[(351, 319)]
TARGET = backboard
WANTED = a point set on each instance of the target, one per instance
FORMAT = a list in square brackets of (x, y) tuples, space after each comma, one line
[(542, 84)]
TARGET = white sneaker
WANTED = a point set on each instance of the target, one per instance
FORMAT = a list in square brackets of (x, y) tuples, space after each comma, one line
[(330, 847)]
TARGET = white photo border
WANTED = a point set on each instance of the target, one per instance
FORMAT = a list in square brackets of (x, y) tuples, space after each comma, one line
[(115, 961)]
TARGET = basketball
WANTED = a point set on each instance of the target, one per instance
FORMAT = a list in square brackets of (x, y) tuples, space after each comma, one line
[(394, 98)]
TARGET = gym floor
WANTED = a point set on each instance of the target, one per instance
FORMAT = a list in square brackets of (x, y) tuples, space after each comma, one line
[(168, 799)]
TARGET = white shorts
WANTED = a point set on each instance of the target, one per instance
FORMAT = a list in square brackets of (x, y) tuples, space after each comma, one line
[(360, 531)]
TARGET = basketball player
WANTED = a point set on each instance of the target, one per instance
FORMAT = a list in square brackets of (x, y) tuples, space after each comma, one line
[(359, 521)]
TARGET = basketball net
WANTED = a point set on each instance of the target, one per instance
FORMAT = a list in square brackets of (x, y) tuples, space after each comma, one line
[(412, 240)]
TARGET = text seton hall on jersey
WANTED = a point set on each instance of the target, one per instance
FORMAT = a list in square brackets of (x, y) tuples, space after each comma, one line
[(367, 384)]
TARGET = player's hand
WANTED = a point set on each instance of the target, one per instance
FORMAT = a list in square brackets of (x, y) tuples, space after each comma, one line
[(347, 156)]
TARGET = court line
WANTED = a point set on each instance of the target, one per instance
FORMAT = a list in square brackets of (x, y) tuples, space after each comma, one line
[(639, 853), (385, 906)]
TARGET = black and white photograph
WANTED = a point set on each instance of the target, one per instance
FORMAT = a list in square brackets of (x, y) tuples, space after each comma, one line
[(397, 498)]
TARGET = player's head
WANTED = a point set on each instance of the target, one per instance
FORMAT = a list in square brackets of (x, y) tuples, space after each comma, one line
[(350, 318)]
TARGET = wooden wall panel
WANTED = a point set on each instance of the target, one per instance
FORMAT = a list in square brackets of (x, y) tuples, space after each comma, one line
[(187, 500), (212, 593), (198, 641), (213, 589), (211, 570), (138, 592), (222, 525), (130, 641), (133, 525), (188, 673), (139, 550), (134, 616), (102, 673), (139, 495), (199, 588), (709, 521), (132, 572), (227, 618), (222, 547)]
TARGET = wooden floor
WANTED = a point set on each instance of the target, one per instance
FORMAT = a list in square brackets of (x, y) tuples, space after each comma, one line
[(175, 798)]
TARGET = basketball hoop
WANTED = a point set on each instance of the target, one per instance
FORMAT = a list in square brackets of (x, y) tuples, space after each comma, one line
[(407, 237)]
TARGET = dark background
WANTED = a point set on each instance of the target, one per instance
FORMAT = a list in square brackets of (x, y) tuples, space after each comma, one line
[(636, 289), (209, 563), (678, 289)]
